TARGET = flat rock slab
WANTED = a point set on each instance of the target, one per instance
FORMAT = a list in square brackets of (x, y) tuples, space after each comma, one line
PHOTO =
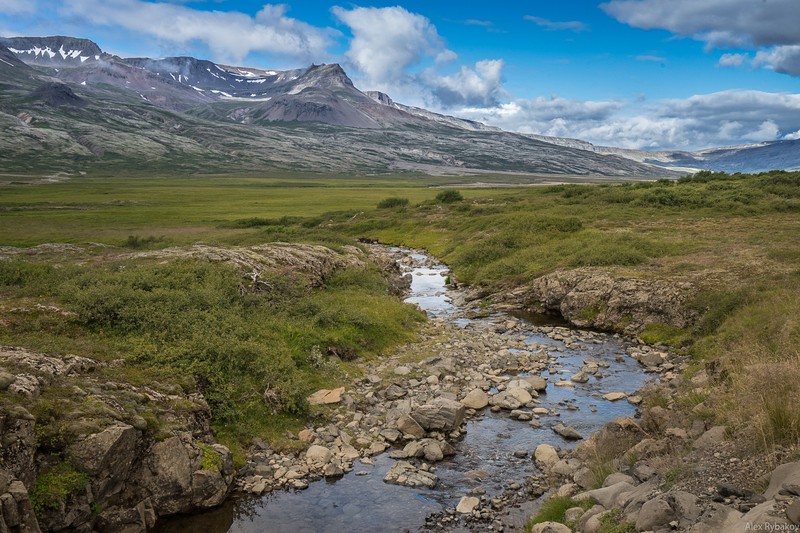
[(325, 396), (467, 504), (614, 396)]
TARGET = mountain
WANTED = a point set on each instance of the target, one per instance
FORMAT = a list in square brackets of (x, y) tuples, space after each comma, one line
[(748, 158), (67, 106)]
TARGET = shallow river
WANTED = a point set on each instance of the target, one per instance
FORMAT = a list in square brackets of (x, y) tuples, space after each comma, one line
[(362, 502)]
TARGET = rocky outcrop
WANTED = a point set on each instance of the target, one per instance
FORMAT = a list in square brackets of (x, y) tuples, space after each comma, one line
[(97, 463), (16, 512), (314, 261), (588, 297)]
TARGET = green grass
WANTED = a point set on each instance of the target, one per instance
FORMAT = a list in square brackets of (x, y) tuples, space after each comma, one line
[(554, 508), (733, 236)]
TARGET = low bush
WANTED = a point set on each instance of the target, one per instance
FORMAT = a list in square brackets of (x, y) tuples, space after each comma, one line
[(389, 203)]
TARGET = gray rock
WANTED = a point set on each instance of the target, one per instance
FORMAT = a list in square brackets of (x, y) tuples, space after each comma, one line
[(607, 496), (567, 432), (580, 377), (550, 527), (409, 426), (440, 414), (546, 455), (537, 382), (711, 438), (762, 517), (618, 477), (394, 392), (406, 474), (318, 455), (793, 512), (475, 399), (785, 475), (655, 514), (107, 456), (467, 504)]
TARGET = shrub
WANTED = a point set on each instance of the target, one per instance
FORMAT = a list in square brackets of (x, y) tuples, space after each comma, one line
[(388, 203), (553, 510), (449, 196), (54, 487)]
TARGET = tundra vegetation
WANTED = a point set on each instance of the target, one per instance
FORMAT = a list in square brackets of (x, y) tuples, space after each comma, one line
[(189, 324)]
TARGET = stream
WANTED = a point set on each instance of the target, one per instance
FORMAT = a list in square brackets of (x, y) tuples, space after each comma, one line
[(494, 453)]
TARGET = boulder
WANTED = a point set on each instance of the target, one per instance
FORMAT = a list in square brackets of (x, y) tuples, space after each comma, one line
[(606, 496), (318, 455), (168, 477), (467, 504), (107, 456), (785, 476), (409, 426), (762, 517), (711, 438), (546, 455), (440, 414), (655, 514), (16, 511), (537, 382), (475, 399), (614, 396)]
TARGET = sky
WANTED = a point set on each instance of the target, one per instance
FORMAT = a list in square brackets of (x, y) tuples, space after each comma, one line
[(649, 74)]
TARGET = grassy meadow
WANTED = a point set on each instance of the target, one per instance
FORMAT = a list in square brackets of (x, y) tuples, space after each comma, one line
[(735, 237)]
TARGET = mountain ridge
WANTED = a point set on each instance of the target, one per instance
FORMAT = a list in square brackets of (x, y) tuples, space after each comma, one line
[(190, 114)]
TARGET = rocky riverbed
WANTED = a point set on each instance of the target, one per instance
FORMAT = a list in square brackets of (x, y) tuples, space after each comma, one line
[(442, 434)]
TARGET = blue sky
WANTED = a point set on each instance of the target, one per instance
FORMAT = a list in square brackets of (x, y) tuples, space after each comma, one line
[(653, 74)]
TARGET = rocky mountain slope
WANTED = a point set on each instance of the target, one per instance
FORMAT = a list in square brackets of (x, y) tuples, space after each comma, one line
[(67, 106)]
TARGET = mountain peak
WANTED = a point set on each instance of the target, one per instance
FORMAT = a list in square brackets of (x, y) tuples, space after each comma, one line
[(57, 50)]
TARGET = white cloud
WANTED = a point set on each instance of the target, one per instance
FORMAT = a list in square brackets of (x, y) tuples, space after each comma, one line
[(230, 36), (749, 24), (386, 41), (570, 25), (732, 60), (469, 86), (783, 59), (390, 44), (728, 117), (17, 7)]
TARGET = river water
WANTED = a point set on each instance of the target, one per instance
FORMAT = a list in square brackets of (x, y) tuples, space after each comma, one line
[(361, 502)]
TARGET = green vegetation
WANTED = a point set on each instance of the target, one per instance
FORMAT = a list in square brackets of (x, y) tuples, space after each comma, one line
[(388, 203), (53, 487), (553, 510), (211, 459), (733, 237), (199, 325), (612, 522), (449, 196)]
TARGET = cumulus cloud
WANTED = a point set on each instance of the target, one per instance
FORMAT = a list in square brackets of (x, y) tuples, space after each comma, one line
[(230, 36), (389, 46), (745, 24), (478, 85), (701, 121), (386, 41), (570, 25), (783, 59), (16, 7)]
